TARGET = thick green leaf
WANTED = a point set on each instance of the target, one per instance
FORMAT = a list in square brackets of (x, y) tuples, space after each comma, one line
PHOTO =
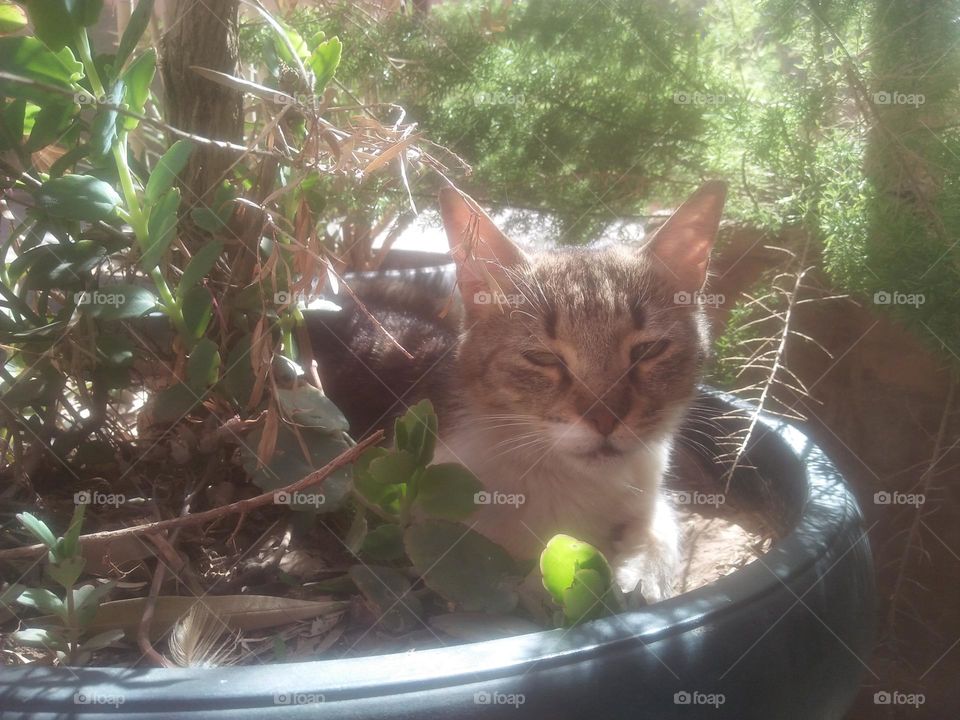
[(588, 597), (66, 572), (207, 219), (139, 20), (11, 124), (161, 228), (387, 592), (449, 491), (197, 308), (12, 18), (307, 406), (47, 639), (384, 495), (31, 59), (38, 529), (119, 302), (563, 557), (169, 166), (61, 266), (463, 566), (71, 538), (324, 61), (416, 432), (200, 264), (137, 79), (78, 197), (103, 131), (43, 600), (50, 124), (384, 544), (53, 21), (203, 365), (393, 468)]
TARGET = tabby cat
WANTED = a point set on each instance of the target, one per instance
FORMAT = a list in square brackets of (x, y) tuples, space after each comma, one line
[(560, 378)]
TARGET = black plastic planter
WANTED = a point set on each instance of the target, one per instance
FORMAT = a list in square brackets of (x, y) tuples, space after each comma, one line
[(779, 638)]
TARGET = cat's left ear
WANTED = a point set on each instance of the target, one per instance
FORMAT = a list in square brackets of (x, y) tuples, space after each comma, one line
[(483, 254), (683, 243)]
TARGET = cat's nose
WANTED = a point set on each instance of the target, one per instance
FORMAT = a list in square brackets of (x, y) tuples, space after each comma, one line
[(602, 418)]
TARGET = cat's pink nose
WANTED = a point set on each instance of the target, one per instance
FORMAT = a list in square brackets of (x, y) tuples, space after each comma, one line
[(602, 418)]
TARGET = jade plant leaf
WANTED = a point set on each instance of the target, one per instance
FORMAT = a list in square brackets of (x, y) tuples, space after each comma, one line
[(78, 197), (448, 491), (463, 566), (307, 406), (579, 578)]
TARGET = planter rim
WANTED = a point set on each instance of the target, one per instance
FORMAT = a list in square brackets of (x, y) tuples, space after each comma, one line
[(828, 508)]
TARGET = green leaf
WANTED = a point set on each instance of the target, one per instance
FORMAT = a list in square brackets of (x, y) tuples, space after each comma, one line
[(47, 639), (387, 593), (324, 61), (463, 566), (207, 219), (139, 20), (200, 264), (307, 406), (137, 79), (103, 131), (384, 544), (118, 302), (49, 124), (449, 491), (174, 403), (61, 266), (71, 538), (563, 557), (66, 572), (161, 228), (290, 38), (53, 21), (11, 124), (197, 307), (78, 197), (12, 18), (373, 490), (87, 12), (31, 59), (393, 468), (588, 597), (203, 365), (38, 529), (416, 432), (115, 350), (168, 167), (43, 600)]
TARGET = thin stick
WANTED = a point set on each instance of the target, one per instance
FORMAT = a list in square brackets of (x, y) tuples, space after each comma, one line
[(344, 458)]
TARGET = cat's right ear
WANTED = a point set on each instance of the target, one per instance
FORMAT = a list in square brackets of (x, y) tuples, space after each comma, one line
[(483, 254)]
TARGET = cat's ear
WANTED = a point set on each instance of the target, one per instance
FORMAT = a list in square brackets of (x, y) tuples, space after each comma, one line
[(683, 243), (483, 254)]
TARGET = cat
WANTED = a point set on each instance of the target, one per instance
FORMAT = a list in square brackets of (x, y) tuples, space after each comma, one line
[(560, 379)]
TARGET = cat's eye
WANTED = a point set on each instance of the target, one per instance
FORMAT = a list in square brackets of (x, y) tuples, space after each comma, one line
[(543, 358), (648, 350)]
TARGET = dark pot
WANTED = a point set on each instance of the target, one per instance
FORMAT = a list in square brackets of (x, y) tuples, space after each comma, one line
[(779, 638)]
